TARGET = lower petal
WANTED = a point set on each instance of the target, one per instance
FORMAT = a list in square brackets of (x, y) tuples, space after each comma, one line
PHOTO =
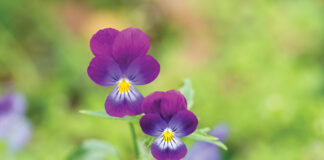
[(124, 104), (173, 150)]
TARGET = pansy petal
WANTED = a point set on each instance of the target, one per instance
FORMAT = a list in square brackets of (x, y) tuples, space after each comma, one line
[(20, 134), (101, 43), (6, 122), (121, 104), (173, 150), (19, 103), (143, 70), (152, 103), (203, 150), (12, 107), (14, 103), (206, 150), (172, 102), (130, 44), (220, 131), (6, 104), (183, 123), (104, 71), (152, 124)]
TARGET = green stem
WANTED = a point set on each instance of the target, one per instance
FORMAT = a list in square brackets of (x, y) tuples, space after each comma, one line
[(131, 126)]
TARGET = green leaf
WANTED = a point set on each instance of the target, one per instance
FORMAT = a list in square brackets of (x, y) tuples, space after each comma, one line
[(202, 135), (94, 150), (103, 114), (144, 147), (188, 92), (204, 130)]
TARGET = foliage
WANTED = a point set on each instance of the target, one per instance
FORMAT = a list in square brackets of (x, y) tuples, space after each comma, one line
[(202, 135), (103, 114), (256, 65), (188, 92), (94, 150)]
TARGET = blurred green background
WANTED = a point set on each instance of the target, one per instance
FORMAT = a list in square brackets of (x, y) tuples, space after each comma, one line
[(256, 65)]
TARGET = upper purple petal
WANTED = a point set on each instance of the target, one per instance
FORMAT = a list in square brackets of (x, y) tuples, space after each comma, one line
[(184, 123), (172, 102), (130, 44), (104, 71), (12, 103), (143, 70), (220, 131), (160, 151), (6, 104), (12, 107), (101, 43), (152, 124), (14, 128), (152, 103), (124, 104)]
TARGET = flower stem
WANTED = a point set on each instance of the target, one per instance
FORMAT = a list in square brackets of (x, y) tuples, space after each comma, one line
[(131, 126)]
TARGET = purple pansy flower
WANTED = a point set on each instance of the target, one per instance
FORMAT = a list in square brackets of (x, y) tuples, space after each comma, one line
[(209, 151), (167, 118), (15, 129), (121, 60)]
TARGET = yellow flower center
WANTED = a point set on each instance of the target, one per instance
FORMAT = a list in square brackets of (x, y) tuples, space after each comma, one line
[(167, 135), (123, 86)]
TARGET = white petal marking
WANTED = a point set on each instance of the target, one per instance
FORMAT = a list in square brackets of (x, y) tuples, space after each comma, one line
[(173, 144), (130, 96)]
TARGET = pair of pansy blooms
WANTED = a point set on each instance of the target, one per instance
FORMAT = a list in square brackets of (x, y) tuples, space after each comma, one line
[(121, 60)]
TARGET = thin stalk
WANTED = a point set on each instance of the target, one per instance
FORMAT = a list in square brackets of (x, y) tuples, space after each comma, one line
[(131, 126)]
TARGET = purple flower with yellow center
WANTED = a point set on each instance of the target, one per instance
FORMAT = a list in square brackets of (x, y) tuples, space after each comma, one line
[(121, 60), (167, 118), (206, 150), (15, 129)]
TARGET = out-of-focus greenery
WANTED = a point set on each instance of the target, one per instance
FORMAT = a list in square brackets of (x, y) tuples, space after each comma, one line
[(94, 149), (256, 65)]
